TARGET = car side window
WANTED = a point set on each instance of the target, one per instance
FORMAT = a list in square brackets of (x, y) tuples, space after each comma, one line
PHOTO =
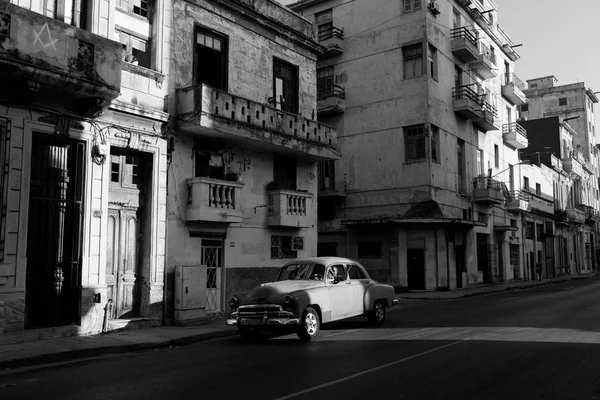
[(336, 271), (355, 272)]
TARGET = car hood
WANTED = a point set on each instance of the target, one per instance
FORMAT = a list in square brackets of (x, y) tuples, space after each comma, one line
[(274, 291)]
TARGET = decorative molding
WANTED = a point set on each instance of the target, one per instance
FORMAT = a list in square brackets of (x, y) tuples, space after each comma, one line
[(148, 73), (63, 124)]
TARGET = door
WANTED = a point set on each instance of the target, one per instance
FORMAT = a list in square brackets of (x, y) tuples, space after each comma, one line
[(459, 254), (483, 266), (358, 279), (340, 292), (416, 269), (122, 261), (211, 59), (212, 257), (53, 278), (285, 86)]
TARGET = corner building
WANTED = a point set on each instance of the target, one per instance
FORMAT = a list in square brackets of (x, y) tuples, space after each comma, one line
[(83, 178), (424, 97), (244, 144)]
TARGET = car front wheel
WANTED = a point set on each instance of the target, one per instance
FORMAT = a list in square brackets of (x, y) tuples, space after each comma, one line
[(309, 328), (377, 315)]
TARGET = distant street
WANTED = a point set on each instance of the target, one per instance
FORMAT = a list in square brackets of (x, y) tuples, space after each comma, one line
[(536, 344)]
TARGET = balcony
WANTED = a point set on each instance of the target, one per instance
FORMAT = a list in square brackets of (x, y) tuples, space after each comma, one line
[(213, 200), (512, 89), (542, 203), (518, 201), (466, 102), (290, 208), (209, 112), (572, 165), (487, 191), (486, 121), (333, 40), (485, 64), (464, 44), (331, 101), (57, 66), (591, 215), (576, 215), (515, 135)]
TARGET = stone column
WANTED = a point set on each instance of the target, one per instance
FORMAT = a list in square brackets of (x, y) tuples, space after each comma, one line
[(442, 258)]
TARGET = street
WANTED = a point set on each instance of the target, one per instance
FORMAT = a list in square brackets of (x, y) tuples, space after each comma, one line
[(541, 343)]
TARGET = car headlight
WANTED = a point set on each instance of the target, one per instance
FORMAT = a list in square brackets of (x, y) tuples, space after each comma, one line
[(287, 301), (233, 303)]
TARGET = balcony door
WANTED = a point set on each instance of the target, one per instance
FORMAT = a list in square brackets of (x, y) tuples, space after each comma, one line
[(211, 59), (285, 86)]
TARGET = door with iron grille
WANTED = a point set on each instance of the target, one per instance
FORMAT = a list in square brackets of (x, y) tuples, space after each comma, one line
[(212, 257), (53, 284)]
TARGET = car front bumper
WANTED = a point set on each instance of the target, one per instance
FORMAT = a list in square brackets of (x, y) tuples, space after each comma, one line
[(263, 320), (395, 302)]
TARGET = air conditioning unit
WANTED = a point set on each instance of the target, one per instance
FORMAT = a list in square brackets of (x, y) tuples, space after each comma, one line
[(433, 8)]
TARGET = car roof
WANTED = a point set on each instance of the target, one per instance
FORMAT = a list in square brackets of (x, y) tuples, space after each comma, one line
[(321, 260)]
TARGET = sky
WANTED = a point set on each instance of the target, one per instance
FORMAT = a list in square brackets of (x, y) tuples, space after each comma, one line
[(559, 38)]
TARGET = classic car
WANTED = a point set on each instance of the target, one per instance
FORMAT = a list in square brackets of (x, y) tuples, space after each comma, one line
[(310, 292)]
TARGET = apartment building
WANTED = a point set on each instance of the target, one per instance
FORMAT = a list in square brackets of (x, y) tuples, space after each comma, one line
[(83, 165), (424, 97), (244, 143)]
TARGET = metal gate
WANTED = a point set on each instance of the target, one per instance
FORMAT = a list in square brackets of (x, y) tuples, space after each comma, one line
[(54, 231), (212, 257)]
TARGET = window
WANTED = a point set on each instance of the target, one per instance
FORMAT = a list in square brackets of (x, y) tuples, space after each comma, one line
[(432, 62), (455, 18), (355, 272), (460, 170), (538, 188), (529, 230), (562, 101), (4, 146), (526, 183), (514, 254), (412, 5), (208, 160), (513, 223), (285, 86), (480, 163), (284, 172), (369, 250), (137, 50), (413, 60), (125, 170), (458, 80), (211, 59), (414, 143), (138, 7), (324, 81), (324, 22), (508, 115), (496, 156), (435, 143), (524, 107), (281, 247), (327, 175), (539, 231), (534, 85)]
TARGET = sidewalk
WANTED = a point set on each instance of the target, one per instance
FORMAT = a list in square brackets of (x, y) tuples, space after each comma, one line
[(78, 347), (487, 289)]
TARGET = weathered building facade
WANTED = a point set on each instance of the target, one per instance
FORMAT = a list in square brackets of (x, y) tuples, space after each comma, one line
[(244, 143), (83, 165), (424, 97)]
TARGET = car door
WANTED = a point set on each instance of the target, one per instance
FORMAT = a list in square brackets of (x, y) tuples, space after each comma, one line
[(340, 291), (359, 281)]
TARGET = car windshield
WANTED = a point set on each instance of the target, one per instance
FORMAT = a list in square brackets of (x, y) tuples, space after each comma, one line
[(299, 272)]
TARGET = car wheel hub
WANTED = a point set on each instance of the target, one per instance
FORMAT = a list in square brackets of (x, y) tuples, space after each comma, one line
[(379, 311), (310, 323)]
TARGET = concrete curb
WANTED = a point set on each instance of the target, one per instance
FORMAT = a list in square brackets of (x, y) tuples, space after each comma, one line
[(74, 354), (496, 289)]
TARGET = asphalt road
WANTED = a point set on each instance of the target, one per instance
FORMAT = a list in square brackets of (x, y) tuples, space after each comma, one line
[(535, 344)]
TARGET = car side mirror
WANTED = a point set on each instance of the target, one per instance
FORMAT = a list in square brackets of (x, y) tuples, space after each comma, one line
[(336, 280)]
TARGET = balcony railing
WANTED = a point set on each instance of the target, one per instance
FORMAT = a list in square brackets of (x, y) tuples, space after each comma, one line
[(515, 135), (206, 110), (331, 100), (486, 182), (333, 40), (330, 32), (464, 44), (213, 200), (487, 190), (514, 127), (487, 106), (464, 33), (289, 208), (332, 91), (511, 78), (465, 92)]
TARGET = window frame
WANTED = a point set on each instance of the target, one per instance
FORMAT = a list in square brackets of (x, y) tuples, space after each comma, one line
[(201, 29), (411, 139), (278, 251), (295, 106), (128, 47), (562, 101), (412, 5), (496, 156), (130, 8), (435, 144), (432, 61), (416, 59)]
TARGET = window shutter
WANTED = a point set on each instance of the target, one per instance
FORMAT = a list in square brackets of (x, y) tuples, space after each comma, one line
[(420, 148), (409, 145)]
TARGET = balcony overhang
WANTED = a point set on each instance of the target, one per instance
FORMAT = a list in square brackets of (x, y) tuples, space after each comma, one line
[(513, 94), (484, 66), (488, 196), (212, 113), (571, 165), (467, 108), (517, 205), (486, 122), (52, 65), (214, 200), (332, 39), (515, 135), (331, 104), (465, 49), (289, 208), (575, 215)]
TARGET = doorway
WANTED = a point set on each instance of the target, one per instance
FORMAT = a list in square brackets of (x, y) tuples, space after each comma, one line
[(416, 269), (212, 257), (461, 267), (483, 265), (124, 244), (53, 280)]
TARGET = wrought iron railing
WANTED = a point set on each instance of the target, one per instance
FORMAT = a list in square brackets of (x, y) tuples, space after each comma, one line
[(464, 33), (486, 106), (486, 182), (514, 127), (465, 91), (519, 195), (331, 91), (329, 32), (511, 78)]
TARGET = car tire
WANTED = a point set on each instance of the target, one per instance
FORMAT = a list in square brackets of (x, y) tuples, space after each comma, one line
[(377, 315), (251, 335), (310, 325)]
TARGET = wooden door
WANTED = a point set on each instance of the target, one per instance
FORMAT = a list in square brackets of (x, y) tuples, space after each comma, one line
[(122, 261), (416, 269)]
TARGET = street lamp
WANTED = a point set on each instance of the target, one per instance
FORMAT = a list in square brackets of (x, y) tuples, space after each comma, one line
[(519, 163)]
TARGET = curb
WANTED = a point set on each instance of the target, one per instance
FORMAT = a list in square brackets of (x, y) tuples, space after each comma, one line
[(505, 289), (74, 354)]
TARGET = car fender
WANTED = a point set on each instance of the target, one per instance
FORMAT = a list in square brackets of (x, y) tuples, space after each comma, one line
[(377, 291), (316, 296)]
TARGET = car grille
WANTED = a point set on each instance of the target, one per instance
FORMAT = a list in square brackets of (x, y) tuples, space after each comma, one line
[(272, 310)]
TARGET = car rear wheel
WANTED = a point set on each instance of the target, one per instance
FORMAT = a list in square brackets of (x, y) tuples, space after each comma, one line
[(310, 325), (377, 315)]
